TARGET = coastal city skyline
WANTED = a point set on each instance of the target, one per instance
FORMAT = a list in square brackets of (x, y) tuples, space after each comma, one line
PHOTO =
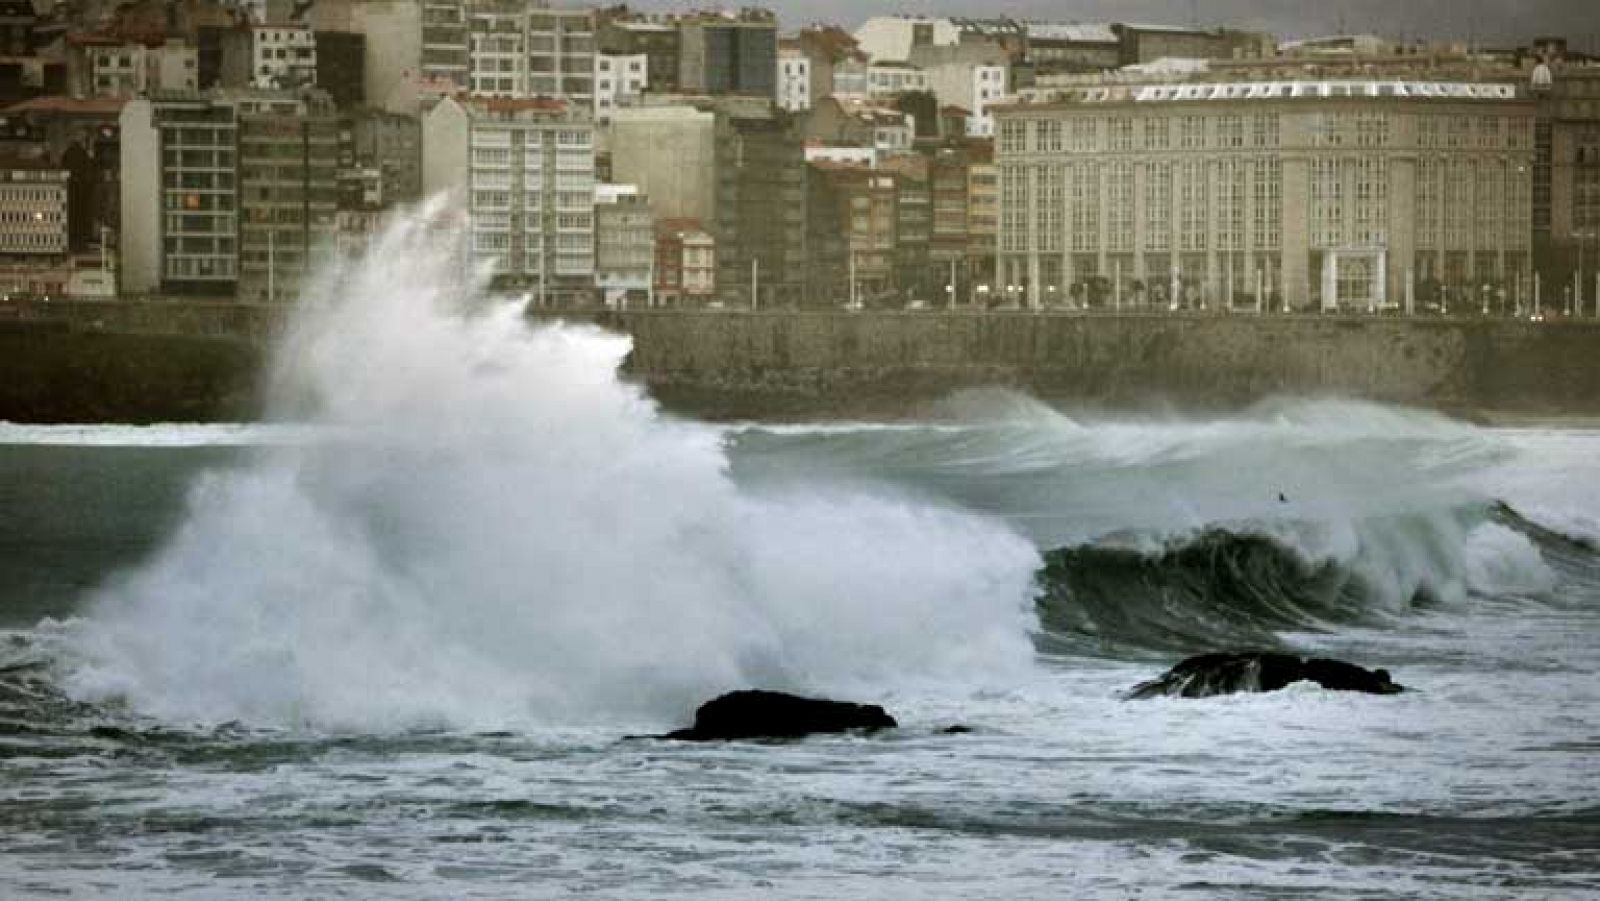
[(614, 157), (1463, 20)]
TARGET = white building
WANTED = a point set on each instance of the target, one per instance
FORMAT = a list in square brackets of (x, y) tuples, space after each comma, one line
[(794, 79), (618, 81), (988, 89), (283, 56), (525, 168)]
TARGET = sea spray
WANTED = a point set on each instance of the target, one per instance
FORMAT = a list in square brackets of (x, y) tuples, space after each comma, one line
[(494, 531)]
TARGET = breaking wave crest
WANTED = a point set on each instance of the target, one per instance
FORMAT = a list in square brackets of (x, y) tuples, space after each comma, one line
[(1222, 589), (497, 532)]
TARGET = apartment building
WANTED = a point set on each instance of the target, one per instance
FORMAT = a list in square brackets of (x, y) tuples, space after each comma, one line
[(526, 168), (729, 53), (288, 190), (180, 195)]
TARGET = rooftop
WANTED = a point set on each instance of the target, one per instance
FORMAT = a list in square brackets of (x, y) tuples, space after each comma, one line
[(1274, 90)]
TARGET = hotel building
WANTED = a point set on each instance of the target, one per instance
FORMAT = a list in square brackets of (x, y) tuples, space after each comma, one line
[(1298, 194)]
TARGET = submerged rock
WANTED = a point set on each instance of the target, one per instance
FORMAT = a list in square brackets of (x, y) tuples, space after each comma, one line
[(772, 714), (1219, 674)]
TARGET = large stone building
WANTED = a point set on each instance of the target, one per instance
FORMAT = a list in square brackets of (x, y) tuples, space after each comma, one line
[(1566, 209), (1330, 194), (525, 168)]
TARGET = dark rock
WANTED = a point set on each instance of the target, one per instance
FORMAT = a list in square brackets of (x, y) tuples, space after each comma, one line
[(957, 729), (771, 714), (1253, 671)]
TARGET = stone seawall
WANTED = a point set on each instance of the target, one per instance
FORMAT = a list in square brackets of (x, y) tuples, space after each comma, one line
[(732, 364), (777, 364), (52, 374)]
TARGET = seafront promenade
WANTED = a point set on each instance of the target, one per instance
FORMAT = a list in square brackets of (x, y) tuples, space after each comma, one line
[(197, 359)]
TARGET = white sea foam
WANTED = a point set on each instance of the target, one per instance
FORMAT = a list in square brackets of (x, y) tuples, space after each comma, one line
[(158, 435), (506, 534)]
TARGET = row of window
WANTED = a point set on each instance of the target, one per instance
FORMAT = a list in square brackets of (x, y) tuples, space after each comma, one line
[(32, 241), (48, 196), (1185, 204), (1093, 134)]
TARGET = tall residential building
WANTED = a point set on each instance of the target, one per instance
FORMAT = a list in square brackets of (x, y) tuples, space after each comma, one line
[(444, 41), (729, 54), (525, 168), (760, 221), (180, 195), (226, 192), (1310, 194), (510, 48), (288, 190)]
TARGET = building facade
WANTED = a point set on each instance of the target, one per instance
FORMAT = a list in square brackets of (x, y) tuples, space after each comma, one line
[(33, 210), (283, 56), (794, 79), (618, 81), (624, 244), (526, 170), (1566, 209), (729, 54), (180, 196), (1303, 195), (288, 191)]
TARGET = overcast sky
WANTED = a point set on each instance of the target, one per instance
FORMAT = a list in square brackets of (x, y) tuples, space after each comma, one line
[(1496, 20)]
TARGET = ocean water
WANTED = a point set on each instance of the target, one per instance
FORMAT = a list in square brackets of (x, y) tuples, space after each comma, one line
[(394, 650)]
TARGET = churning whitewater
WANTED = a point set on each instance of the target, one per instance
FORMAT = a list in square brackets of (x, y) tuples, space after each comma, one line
[(494, 531)]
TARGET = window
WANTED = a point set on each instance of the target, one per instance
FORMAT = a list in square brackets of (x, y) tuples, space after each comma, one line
[(1158, 207), (1192, 132), (1013, 135), (1157, 134)]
